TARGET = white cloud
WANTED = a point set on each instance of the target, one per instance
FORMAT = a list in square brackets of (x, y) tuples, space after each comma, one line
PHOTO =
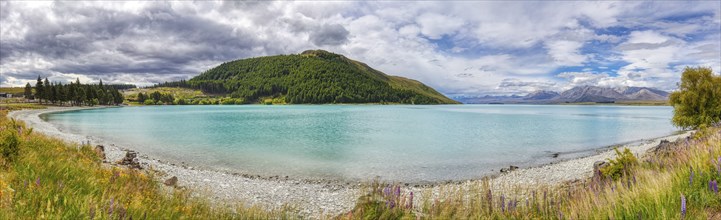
[(566, 53), (485, 42), (434, 26)]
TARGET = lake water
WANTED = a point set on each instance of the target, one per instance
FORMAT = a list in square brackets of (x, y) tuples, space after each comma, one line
[(361, 142)]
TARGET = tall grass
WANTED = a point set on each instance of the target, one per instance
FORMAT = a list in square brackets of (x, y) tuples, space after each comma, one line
[(50, 179), (653, 189)]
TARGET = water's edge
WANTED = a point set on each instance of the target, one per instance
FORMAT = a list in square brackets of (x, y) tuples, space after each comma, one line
[(540, 161)]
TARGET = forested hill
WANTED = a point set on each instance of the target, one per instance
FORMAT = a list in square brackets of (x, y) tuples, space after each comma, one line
[(314, 76)]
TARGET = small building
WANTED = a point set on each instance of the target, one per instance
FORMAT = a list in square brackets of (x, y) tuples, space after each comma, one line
[(6, 95)]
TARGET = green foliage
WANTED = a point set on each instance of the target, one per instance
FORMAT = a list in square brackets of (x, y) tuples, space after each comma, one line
[(10, 146), (698, 100), (624, 162), (149, 102), (76, 93), (28, 91), (311, 77)]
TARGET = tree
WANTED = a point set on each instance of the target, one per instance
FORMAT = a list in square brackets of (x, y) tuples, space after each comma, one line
[(141, 98), (28, 91), (39, 89), (48, 92), (698, 99)]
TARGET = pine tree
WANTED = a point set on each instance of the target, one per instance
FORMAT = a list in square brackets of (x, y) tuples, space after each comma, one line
[(28, 91), (39, 90), (47, 93)]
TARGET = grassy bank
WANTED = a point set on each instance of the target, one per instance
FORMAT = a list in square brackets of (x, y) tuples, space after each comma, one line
[(655, 188), (43, 177)]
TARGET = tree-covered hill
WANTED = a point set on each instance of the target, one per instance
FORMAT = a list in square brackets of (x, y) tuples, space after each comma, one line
[(314, 76)]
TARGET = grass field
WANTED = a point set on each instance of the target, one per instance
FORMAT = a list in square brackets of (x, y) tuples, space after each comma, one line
[(45, 178), (16, 91)]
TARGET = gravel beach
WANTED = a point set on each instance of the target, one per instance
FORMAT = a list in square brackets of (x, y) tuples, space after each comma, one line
[(316, 198)]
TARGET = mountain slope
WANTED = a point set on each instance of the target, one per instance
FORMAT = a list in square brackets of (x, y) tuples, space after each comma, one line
[(314, 76)]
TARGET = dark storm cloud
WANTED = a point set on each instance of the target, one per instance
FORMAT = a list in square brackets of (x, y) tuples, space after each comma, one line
[(329, 35), (95, 41)]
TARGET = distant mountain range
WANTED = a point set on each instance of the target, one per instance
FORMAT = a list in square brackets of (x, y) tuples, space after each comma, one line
[(574, 95)]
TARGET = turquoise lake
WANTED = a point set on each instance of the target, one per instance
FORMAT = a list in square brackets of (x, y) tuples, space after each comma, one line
[(360, 142)]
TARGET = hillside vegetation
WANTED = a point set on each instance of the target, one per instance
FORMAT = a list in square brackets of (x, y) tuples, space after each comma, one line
[(314, 76)]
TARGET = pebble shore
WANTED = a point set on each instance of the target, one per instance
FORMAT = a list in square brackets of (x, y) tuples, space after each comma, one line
[(316, 199)]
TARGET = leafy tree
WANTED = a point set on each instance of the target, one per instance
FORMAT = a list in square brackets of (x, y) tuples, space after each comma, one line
[(698, 100)]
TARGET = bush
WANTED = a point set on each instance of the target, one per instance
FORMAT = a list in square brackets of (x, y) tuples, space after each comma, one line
[(624, 162), (149, 102), (10, 146), (698, 100)]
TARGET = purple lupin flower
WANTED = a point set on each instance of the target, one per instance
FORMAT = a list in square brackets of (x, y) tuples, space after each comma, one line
[(714, 186), (410, 198), (503, 204), (718, 165), (398, 191), (690, 179), (37, 182), (683, 206), (386, 191)]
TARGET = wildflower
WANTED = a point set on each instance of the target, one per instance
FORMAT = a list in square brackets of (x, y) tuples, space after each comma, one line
[(683, 206), (398, 191), (386, 191), (410, 204), (690, 179), (37, 182), (503, 204), (713, 185)]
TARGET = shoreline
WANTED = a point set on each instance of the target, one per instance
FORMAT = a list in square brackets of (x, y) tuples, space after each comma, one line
[(316, 198)]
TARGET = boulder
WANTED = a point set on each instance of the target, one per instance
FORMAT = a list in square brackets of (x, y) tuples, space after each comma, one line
[(509, 169), (172, 181), (130, 160), (100, 151)]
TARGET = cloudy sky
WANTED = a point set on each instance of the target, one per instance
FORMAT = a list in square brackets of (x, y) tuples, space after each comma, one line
[(460, 48)]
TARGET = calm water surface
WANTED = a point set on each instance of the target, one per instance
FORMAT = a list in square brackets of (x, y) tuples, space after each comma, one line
[(359, 142)]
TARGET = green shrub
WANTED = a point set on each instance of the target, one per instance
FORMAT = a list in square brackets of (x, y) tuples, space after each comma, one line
[(624, 162), (149, 102), (9, 147)]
